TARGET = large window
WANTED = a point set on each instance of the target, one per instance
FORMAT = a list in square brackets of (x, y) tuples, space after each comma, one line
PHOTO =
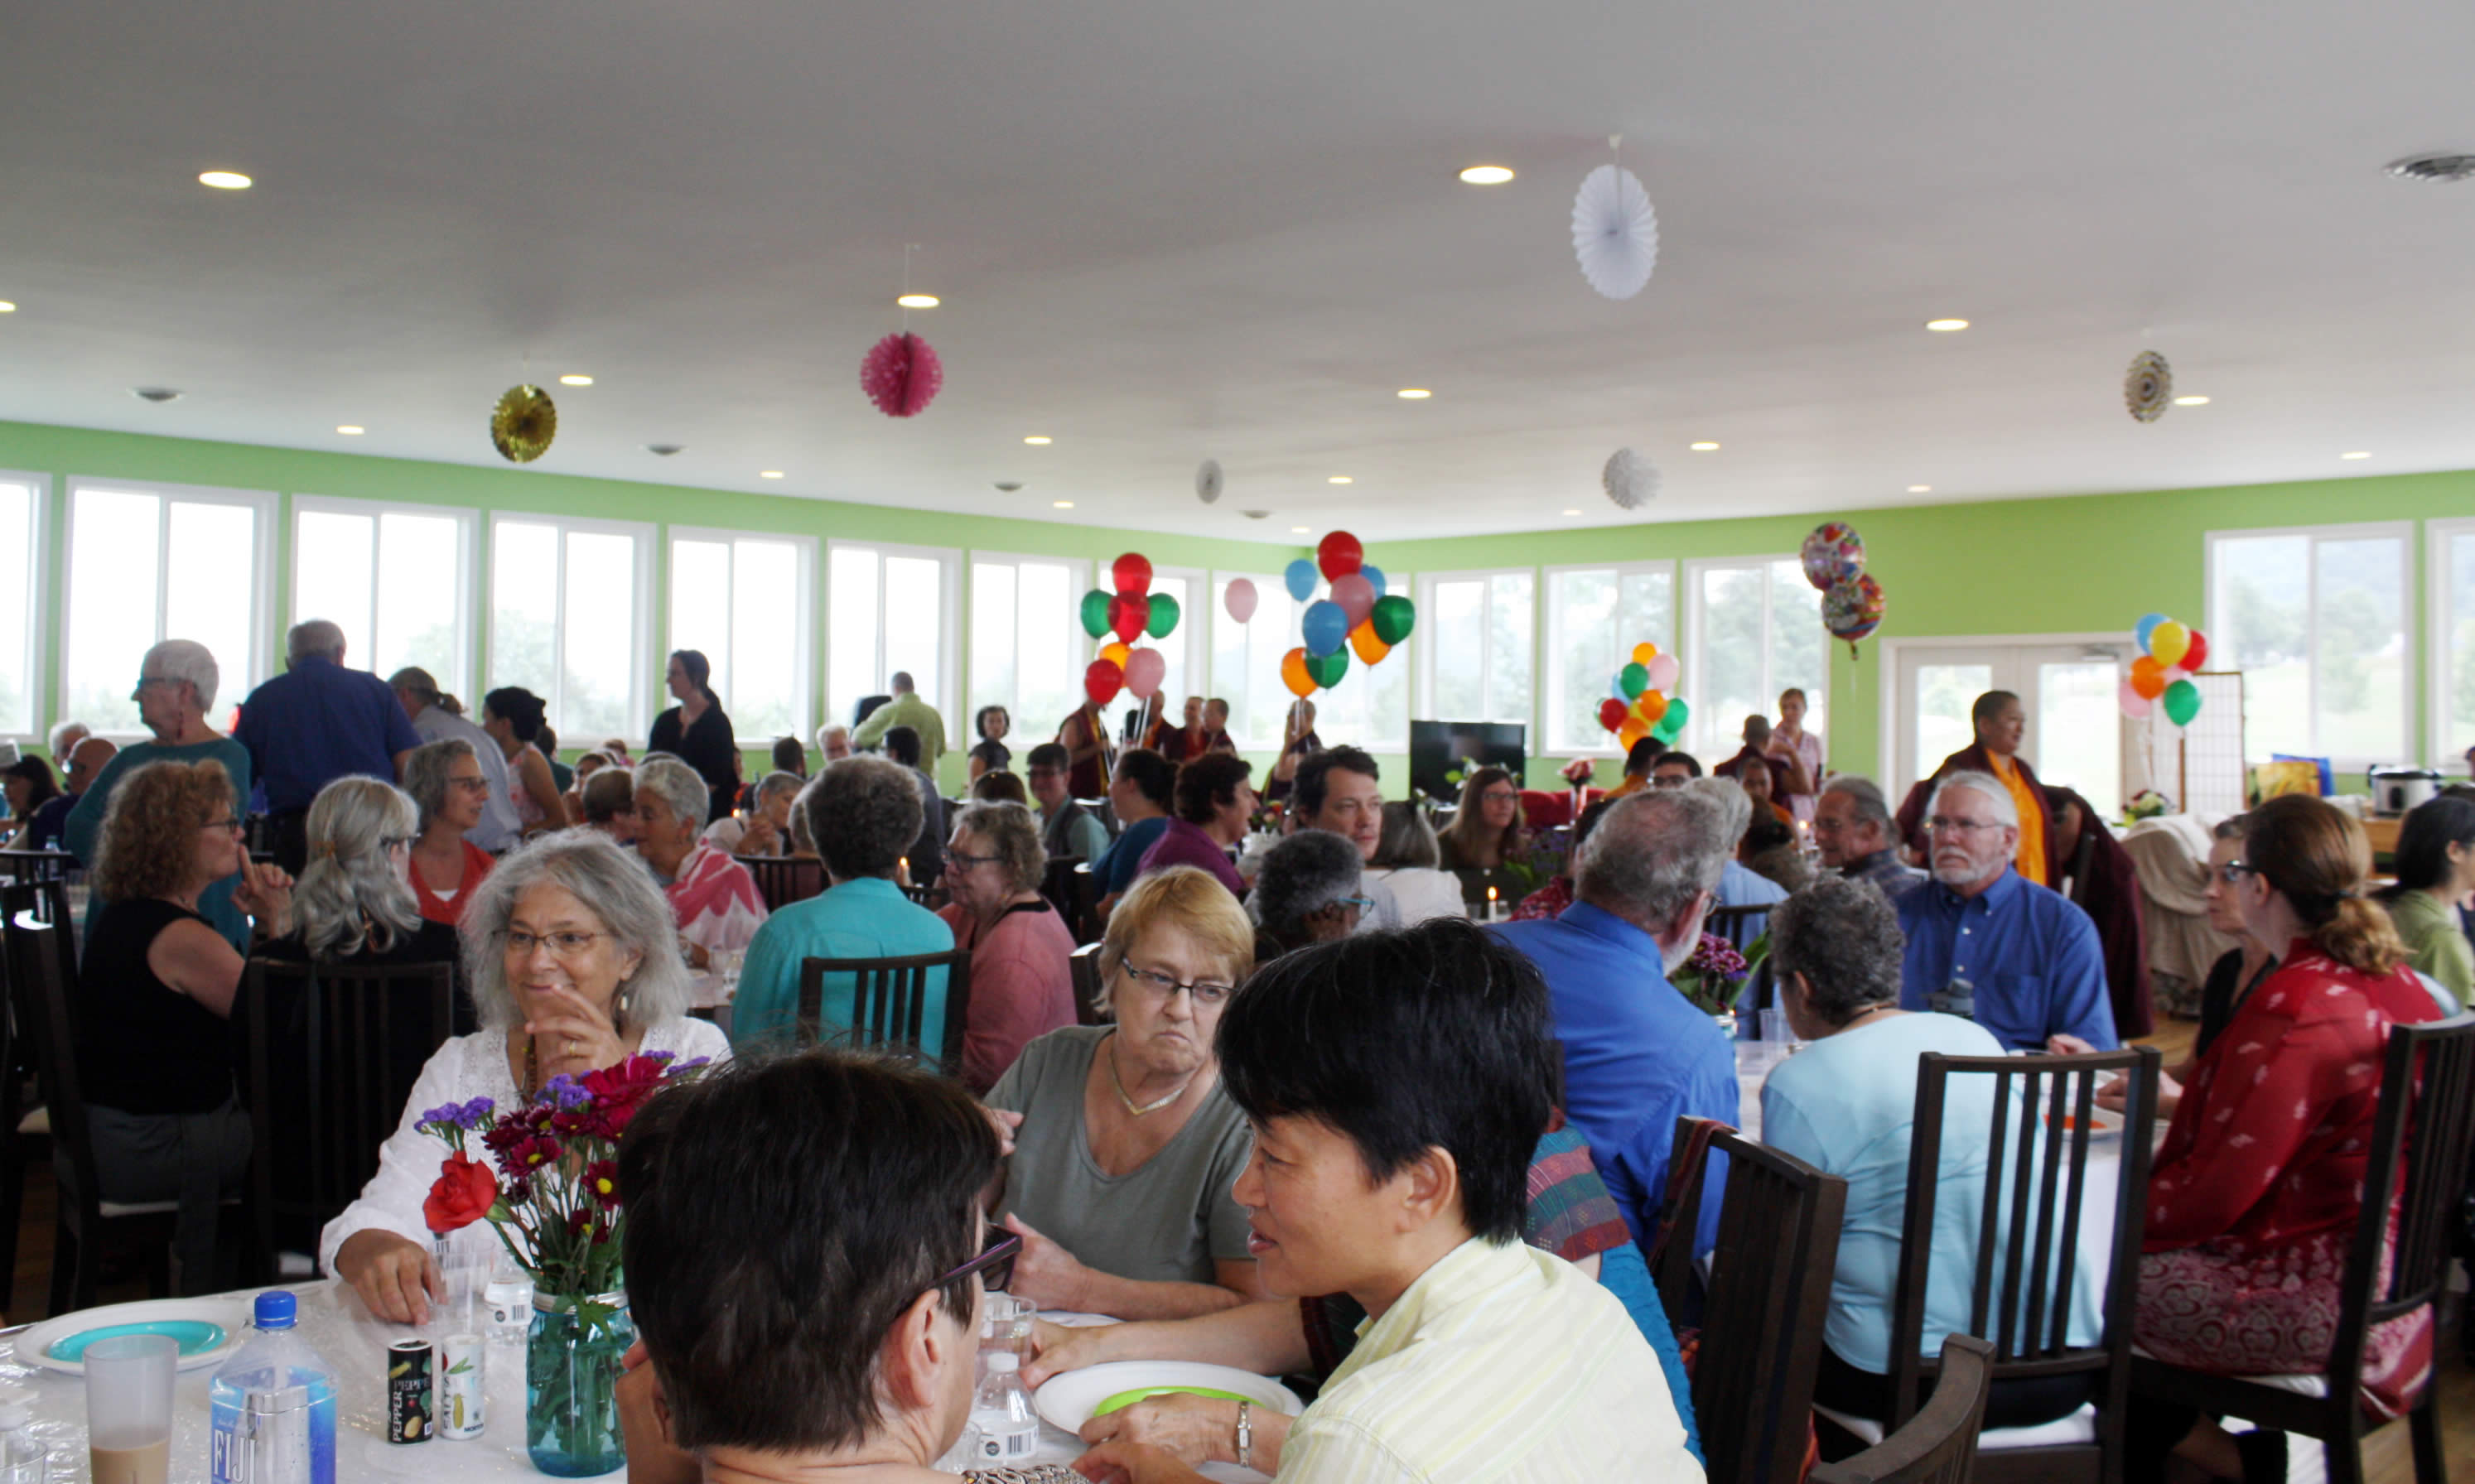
[(1370, 707), (570, 620), (1756, 630), (1475, 648), (1595, 617), (890, 608), (748, 604), (154, 562), (1185, 653), (23, 499), (2315, 621), (398, 578), (2450, 548), (1028, 648)]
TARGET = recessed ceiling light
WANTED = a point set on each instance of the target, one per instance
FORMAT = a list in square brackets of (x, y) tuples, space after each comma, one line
[(350, 430), (1706, 448), (572, 379), (1413, 394), (1300, 530), (225, 179), (917, 301), (5, 307), (1944, 327), (2191, 401), (1341, 480), (2359, 453), (1487, 175), (1039, 440), (1920, 489), (1572, 512), (769, 473), (1062, 504)]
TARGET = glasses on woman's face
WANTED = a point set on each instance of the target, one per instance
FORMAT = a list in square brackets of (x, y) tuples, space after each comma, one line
[(231, 822), (2233, 873), (1500, 796), (994, 1264), (1207, 992), (562, 945), (474, 782), (969, 861)]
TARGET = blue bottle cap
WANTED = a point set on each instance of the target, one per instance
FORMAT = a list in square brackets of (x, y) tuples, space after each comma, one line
[(275, 1310)]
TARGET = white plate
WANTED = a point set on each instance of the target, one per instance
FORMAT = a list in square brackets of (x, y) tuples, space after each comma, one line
[(226, 1314), (1067, 1400)]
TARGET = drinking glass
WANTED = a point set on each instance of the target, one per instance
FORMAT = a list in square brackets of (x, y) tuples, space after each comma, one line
[(129, 1408), (1775, 1027)]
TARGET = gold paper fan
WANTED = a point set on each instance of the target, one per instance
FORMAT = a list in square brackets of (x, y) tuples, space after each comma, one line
[(523, 424)]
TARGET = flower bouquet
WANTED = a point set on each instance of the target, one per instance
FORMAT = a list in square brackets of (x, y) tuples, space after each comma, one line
[(554, 1201), (1716, 973)]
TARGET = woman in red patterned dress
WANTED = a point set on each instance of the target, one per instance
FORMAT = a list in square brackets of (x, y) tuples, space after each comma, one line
[(2258, 1186)]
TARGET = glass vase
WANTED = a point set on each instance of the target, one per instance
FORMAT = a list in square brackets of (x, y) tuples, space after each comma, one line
[(571, 1383)]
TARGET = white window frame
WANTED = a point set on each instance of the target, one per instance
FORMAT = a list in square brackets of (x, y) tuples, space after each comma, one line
[(1550, 695), (2441, 621), (1422, 696), (1698, 737), (648, 538), (468, 565), (950, 646), (803, 615), (40, 716), (2403, 532), (261, 584), (1078, 583)]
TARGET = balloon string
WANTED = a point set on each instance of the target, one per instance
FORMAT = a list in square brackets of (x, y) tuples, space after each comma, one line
[(908, 249)]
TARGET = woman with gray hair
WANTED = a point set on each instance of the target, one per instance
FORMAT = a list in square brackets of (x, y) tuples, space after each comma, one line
[(766, 831), (574, 966), (715, 901), (1022, 968), (448, 786), (1306, 892), (354, 901), (1408, 858)]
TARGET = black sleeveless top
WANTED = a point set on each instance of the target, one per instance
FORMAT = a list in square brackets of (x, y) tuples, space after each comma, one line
[(143, 1047)]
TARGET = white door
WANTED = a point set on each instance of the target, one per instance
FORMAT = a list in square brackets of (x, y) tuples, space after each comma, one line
[(2075, 735)]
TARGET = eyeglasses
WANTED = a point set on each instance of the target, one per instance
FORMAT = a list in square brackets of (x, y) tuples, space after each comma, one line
[(1205, 991), (562, 945), (394, 842), (232, 822), (994, 1264), (1671, 781), (476, 784), (2233, 873), (1362, 903), (1499, 796), (967, 859), (1943, 826)]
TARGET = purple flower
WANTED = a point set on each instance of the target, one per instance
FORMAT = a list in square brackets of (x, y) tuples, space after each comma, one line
[(456, 1116), (564, 1091)]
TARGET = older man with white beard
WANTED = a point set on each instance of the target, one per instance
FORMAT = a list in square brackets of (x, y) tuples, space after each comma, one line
[(2015, 958)]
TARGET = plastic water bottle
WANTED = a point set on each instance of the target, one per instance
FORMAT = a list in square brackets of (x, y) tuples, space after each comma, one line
[(273, 1405), (22, 1454), (509, 1295), (1001, 1414)]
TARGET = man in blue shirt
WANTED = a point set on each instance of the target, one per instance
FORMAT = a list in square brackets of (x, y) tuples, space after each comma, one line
[(315, 723), (1637, 1053), (2019, 960)]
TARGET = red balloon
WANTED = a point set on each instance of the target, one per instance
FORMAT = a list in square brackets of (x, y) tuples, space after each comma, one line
[(2198, 652), (1128, 613), (1613, 713), (1339, 555), (1102, 681), (1133, 574)]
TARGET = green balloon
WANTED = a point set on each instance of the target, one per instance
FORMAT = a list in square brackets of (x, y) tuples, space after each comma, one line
[(1326, 670), (1095, 613), (2182, 702), (1635, 679), (1393, 618), (1678, 713), (1164, 616)]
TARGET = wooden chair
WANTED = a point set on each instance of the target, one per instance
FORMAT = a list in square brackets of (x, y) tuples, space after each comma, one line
[(1067, 885), (1086, 924), (2028, 1218), (2423, 1132), (1939, 1443), (25, 867), (1763, 1309), (1088, 1010), (888, 1001), (334, 1051), (1740, 926), (783, 880)]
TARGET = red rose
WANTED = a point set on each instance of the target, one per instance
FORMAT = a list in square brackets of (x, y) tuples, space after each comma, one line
[(463, 1195)]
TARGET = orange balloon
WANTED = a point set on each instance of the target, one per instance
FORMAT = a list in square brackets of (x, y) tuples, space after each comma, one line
[(1630, 735), (1370, 646), (1651, 706), (1644, 652), (1114, 653), (1293, 674), (2148, 678)]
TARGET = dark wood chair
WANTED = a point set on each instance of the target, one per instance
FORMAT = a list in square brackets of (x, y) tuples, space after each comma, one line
[(2422, 1133), (1740, 926), (2029, 1218), (1066, 883), (25, 867), (1939, 1443), (1086, 924), (1763, 1308), (783, 880), (334, 1051), (888, 1001), (1088, 1010)]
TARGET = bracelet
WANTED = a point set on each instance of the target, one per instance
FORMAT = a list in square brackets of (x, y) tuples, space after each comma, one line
[(1246, 1435)]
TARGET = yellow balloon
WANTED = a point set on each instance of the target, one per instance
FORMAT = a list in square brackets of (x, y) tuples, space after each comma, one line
[(1114, 653), (2168, 642), (1644, 652)]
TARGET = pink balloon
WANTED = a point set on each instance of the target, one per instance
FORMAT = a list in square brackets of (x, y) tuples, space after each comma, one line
[(1664, 672), (2175, 672), (1145, 670), (2135, 705), (1355, 597), (1240, 600)]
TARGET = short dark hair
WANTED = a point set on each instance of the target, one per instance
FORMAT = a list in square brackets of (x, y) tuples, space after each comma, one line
[(1643, 756), (607, 794), (1429, 1037), (789, 755), (1692, 764), (1301, 875), (520, 708), (1206, 783), (1048, 754), (863, 814), (1315, 775), (865, 1178), (1990, 705), (902, 745), (996, 785), (2424, 838), (980, 718), (1154, 776)]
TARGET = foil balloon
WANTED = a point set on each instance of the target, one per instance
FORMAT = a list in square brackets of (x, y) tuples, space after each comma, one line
[(1833, 555), (1852, 610)]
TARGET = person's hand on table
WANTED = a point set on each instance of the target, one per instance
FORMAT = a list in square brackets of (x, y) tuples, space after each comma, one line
[(2067, 1045), (1056, 1349), (1045, 1273), (1133, 1463), (394, 1276), (1196, 1429), (2114, 1094), (645, 1424)]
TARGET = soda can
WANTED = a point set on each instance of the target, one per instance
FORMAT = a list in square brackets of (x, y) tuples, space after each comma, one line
[(459, 1386), (407, 1391)]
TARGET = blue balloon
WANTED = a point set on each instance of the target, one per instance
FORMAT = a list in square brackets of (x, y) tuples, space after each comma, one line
[(1325, 624), (1301, 578), (2148, 626), (1373, 574)]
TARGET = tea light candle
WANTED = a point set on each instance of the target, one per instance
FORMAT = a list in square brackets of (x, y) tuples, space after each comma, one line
[(1491, 904)]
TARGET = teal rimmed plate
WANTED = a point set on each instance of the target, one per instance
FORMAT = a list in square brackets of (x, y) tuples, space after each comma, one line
[(207, 1330)]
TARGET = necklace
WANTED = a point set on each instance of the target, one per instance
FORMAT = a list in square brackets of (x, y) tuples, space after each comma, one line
[(1133, 1107)]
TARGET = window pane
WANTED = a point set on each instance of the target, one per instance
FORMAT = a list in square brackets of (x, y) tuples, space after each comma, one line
[(913, 613), (1511, 615), (332, 570), (421, 598), (213, 569), (524, 615), (701, 595), (994, 625), (1051, 649), (2079, 734), (1797, 658), (1730, 686), (2263, 624), (1459, 630), (2462, 641), (1247, 662), (1173, 686), (2361, 659), (850, 632), (1601, 615), (598, 625), (766, 615), (1945, 693), (17, 608)]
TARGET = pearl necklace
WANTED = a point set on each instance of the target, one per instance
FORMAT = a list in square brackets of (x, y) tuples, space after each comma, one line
[(1134, 1109)]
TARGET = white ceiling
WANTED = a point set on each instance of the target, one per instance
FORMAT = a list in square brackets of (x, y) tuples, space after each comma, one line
[(1167, 230)]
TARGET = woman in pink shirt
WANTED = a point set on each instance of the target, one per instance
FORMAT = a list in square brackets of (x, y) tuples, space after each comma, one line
[(1022, 974)]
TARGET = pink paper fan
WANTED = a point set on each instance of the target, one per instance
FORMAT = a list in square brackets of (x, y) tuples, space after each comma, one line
[(901, 375)]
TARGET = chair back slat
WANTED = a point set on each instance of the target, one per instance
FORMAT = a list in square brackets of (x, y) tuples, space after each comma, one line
[(888, 1001), (2423, 1130), (1085, 962), (783, 880), (1939, 1443), (26, 867), (42, 989), (1740, 926)]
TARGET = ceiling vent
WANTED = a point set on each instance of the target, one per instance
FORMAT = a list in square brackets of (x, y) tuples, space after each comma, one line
[(2434, 167)]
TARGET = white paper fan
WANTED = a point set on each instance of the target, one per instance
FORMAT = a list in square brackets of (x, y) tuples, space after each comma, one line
[(1632, 480), (1615, 234), (1207, 481)]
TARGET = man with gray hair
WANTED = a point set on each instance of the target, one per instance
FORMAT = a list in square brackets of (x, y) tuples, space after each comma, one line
[(1984, 943), (1852, 825), (833, 743), (64, 738), (315, 723), (416, 690), (1637, 1053)]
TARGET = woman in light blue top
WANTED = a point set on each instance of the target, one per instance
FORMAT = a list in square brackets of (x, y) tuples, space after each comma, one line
[(1847, 1105)]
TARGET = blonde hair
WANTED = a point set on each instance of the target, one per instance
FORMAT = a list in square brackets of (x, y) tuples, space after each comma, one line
[(150, 827), (1184, 899), (2318, 858)]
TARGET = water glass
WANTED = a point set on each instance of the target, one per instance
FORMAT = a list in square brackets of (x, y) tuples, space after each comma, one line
[(129, 1407), (1775, 1027)]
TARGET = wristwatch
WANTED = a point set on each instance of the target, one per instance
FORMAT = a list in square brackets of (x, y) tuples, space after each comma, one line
[(1245, 1434)]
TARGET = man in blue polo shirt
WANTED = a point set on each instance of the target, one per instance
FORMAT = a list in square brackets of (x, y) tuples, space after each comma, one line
[(2018, 958), (313, 724), (1637, 1053)]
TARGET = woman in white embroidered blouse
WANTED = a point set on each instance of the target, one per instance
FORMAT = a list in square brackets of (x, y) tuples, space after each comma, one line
[(575, 964)]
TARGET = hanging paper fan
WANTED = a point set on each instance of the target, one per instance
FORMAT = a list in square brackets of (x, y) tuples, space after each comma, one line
[(902, 376), (1207, 481), (1615, 234), (1630, 480), (2148, 388), (523, 424)]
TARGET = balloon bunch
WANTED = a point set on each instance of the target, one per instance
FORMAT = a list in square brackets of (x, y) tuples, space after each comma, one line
[(1852, 600), (1645, 702), (1354, 615), (2170, 656), (1129, 612)]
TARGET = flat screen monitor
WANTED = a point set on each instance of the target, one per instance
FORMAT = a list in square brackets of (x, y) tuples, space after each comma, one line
[(1441, 753)]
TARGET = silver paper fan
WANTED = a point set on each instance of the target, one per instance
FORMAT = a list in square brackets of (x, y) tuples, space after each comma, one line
[(1632, 480), (2148, 387), (1207, 481), (1615, 234)]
